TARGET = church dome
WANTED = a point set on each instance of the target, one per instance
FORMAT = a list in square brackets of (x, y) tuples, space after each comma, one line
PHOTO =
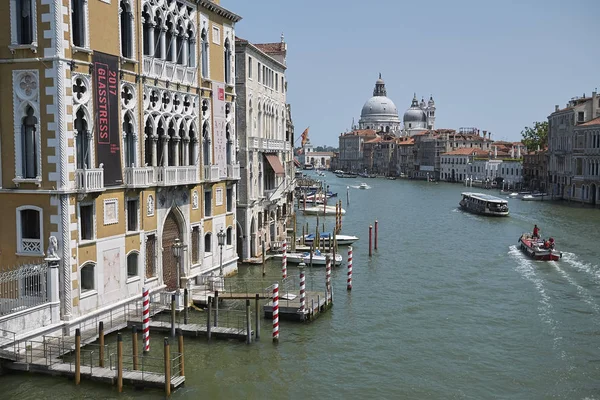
[(415, 113), (379, 106)]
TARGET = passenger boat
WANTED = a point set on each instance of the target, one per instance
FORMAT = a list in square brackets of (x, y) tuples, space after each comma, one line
[(363, 186), (346, 175), (535, 197), (342, 240), (318, 210), (536, 248), (484, 204), (318, 258)]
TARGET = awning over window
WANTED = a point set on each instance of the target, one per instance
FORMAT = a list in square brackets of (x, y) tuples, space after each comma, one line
[(275, 164)]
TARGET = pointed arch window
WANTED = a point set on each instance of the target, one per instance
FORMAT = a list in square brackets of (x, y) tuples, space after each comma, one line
[(206, 159), (204, 54), (193, 146), (173, 145), (159, 36), (191, 62), (126, 20), (180, 46), (29, 144), (129, 141), (78, 22), (149, 144), (148, 31), (82, 141), (227, 61)]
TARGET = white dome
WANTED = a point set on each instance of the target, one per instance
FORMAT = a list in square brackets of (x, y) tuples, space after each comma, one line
[(378, 106)]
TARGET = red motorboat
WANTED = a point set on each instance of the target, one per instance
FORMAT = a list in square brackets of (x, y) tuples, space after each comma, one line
[(539, 249)]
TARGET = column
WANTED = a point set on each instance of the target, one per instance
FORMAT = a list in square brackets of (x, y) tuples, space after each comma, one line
[(163, 42), (151, 42), (186, 151), (176, 140), (165, 145), (154, 139), (173, 45), (184, 51)]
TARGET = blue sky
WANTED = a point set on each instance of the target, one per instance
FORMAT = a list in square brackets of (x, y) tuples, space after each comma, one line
[(494, 65)]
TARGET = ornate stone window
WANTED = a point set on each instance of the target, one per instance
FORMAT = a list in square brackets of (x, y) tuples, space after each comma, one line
[(204, 54), (227, 54), (129, 140), (206, 148), (26, 127), (88, 277)]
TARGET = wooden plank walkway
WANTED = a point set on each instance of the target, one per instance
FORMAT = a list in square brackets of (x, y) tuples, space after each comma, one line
[(289, 309), (139, 379), (194, 330)]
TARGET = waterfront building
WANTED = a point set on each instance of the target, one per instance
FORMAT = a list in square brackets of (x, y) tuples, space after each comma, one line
[(378, 155), (351, 146), (586, 157), (535, 170), (319, 159), (266, 188), (454, 165), (561, 126), (118, 132), (404, 156)]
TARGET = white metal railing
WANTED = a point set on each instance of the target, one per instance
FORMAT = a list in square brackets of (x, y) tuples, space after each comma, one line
[(23, 287), (233, 171), (89, 180), (171, 176), (140, 176), (211, 173)]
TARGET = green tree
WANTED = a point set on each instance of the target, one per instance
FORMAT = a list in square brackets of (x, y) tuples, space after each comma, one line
[(535, 136)]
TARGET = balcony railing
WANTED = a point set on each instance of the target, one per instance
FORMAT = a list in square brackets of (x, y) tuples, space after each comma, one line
[(233, 171), (173, 176), (211, 173), (90, 180), (264, 144), (140, 177)]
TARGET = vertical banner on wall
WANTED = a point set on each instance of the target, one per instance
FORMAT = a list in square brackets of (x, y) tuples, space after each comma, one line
[(106, 90), (219, 138)]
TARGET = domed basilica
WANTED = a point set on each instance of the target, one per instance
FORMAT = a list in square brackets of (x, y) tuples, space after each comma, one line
[(380, 113)]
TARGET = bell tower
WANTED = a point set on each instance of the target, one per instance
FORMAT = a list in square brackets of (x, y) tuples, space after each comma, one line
[(379, 87)]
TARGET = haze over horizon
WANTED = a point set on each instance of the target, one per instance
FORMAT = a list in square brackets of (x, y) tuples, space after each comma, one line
[(491, 66)]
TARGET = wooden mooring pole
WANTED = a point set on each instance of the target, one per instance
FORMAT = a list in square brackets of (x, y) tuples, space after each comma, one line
[(101, 344), (167, 356), (172, 315), (134, 346), (216, 301), (77, 356), (248, 323), (264, 254), (257, 317), (119, 363), (376, 230), (370, 240), (180, 350), (186, 304), (208, 324)]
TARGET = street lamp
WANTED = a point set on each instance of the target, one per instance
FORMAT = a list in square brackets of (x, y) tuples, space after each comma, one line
[(178, 249), (221, 239)]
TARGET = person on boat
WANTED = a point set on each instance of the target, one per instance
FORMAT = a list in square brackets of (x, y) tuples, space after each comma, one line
[(546, 244), (536, 232), (551, 240)]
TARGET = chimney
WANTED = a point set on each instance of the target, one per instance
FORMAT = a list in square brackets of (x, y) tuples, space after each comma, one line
[(556, 108), (484, 133), (518, 151), (495, 151)]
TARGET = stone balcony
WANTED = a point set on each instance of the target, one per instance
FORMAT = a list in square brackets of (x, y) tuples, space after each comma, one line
[(233, 172), (89, 180), (211, 173), (263, 144), (174, 176), (140, 177)]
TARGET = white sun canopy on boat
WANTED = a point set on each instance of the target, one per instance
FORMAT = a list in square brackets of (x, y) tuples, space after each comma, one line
[(275, 164)]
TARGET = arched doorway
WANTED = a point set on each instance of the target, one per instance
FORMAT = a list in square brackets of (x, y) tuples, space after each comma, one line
[(240, 241), (171, 231), (593, 193)]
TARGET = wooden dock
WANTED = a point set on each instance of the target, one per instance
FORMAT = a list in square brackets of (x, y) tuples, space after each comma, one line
[(137, 379), (289, 308), (194, 330)]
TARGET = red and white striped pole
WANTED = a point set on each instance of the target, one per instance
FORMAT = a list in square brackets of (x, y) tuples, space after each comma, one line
[(302, 288), (276, 312), (284, 260), (349, 267), (146, 318)]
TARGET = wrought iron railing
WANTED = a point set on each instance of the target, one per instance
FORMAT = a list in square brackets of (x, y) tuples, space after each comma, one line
[(23, 287)]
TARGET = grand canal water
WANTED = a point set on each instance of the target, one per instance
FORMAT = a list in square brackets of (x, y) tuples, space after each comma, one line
[(446, 308)]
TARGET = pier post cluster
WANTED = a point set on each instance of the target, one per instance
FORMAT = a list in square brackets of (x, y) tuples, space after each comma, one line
[(284, 260), (276, 312), (146, 319), (349, 268)]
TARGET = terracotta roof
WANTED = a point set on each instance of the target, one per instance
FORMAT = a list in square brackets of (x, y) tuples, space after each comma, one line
[(319, 153), (374, 140), (405, 142), (595, 121), (467, 151), (270, 48)]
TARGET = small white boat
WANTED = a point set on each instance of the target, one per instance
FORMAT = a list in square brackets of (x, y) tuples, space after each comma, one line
[(363, 186), (518, 195), (535, 197), (322, 210), (342, 240), (318, 258)]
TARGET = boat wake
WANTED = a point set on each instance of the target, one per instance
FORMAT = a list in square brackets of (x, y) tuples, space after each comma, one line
[(590, 269), (358, 187), (583, 293), (525, 268)]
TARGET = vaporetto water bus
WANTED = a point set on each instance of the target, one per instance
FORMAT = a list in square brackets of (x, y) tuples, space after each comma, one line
[(484, 204)]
